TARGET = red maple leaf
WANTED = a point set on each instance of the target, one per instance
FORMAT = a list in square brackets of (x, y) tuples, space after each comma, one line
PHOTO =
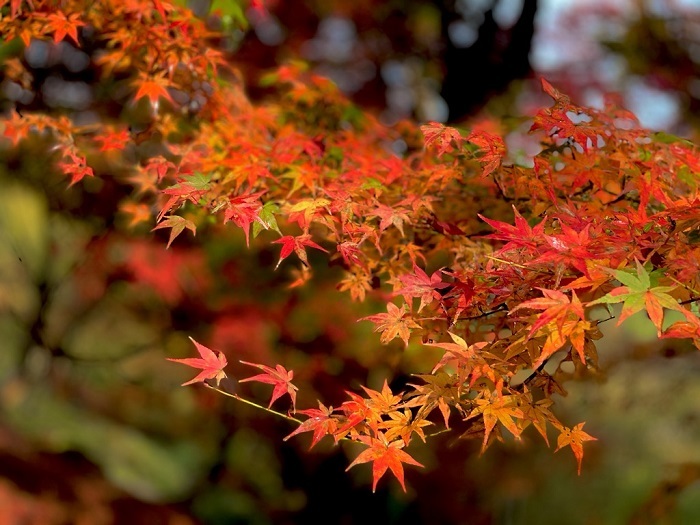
[(555, 121), (441, 135), (351, 253), (390, 215), (296, 244), (384, 456), (356, 410), (279, 377), (75, 166), (320, 422), (420, 285), (212, 364), (114, 140), (570, 247), (522, 235), (493, 149), (243, 210)]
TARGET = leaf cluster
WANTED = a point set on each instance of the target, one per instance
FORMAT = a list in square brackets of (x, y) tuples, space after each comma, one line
[(500, 262)]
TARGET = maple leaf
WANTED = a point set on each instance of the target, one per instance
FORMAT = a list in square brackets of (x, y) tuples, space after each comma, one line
[(383, 402), (16, 128), (570, 247), (638, 293), (212, 364), (242, 210), (384, 455), (303, 211), (495, 408), (178, 225), (436, 133), (153, 88), (191, 189), (538, 414), (572, 329), (521, 235), (358, 283), (594, 276), (320, 422), (279, 377), (62, 26), (392, 324), (556, 305), (440, 389), (458, 348), (553, 92), (574, 437), (266, 219), (113, 140), (75, 166), (420, 285), (556, 120), (356, 410), (296, 244), (350, 251), (403, 425), (390, 216), (685, 329), (493, 149)]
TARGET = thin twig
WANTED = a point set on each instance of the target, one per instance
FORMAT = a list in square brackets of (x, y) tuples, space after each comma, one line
[(253, 404), (522, 267), (686, 287)]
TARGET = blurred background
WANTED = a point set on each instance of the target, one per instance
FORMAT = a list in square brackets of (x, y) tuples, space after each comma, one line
[(94, 427)]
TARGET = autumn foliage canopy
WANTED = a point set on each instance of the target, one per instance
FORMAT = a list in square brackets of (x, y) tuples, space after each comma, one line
[(497, 258)]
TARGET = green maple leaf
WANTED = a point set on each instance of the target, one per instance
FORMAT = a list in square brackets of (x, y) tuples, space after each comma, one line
[(199, 181), (640, 292), (267, 219)]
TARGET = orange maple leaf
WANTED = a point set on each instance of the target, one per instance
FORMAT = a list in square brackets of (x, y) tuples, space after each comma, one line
[(556, 306), (574, 438), (320, 422), (392, 324), (62, 26), (212, 364), (495, 408), (153, 88), (384, 456)]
